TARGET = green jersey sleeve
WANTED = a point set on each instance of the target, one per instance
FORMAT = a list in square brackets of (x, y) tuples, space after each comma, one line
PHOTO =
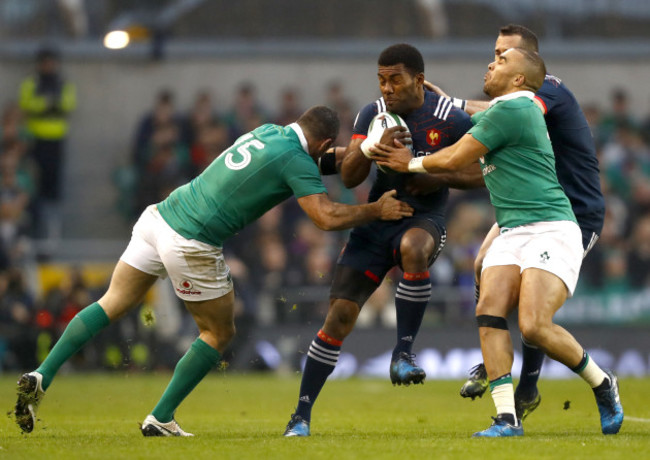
[(489, 127), (302, 175)]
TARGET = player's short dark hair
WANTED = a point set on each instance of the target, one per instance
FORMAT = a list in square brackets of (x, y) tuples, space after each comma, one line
[(321, 122), (528, 38), (402, 53), (535, 71)]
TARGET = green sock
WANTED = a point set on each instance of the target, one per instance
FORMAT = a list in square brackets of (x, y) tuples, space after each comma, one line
[(83, 327), (190, 370)]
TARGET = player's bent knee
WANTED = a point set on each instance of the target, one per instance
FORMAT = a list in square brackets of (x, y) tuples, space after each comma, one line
[(533, 331), (341, 318)]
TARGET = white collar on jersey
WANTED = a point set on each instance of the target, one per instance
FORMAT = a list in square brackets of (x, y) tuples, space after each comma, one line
[(303, 140), (529, 94)]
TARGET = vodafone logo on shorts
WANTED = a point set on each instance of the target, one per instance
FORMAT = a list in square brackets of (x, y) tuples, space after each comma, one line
[(185, 287)]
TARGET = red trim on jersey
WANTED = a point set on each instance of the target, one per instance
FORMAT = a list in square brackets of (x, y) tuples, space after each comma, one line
[(416, 276), (372, 276), (543, 105), (359, 136), (327, 339)]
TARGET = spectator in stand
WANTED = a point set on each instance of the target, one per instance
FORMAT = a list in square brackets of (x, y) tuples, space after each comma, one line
[(618, 116), (14, 216), (638, 254), (211, 141), (615, 280), (167, 166), (163, 113), (48, 98), (290, 106), (13, 124), (626, 165), (645, 129), (201, 116), (246, 112), (17, 332), (337, 99)]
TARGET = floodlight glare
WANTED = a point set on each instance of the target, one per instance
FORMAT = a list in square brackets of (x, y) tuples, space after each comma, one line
[(116, 39)]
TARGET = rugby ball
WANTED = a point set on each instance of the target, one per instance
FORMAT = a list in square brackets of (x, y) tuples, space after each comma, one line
[(378, 124)]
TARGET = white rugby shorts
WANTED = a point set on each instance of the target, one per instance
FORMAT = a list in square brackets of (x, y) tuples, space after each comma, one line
[(197, 270), (552, 246)]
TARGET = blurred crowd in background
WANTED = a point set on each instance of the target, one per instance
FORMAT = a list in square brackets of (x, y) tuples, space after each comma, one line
[(282, 264)]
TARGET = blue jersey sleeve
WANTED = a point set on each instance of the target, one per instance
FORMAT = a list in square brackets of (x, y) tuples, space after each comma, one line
[(548, 94), (362, 122), (462, 124)]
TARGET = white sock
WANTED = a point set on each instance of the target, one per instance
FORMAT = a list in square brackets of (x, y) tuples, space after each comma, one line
[(592, 374), (504, 399)]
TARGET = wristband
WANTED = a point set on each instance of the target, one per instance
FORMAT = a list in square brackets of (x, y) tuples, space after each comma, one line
[(327, 163), (365, 147), (416, 166), (460, 103)]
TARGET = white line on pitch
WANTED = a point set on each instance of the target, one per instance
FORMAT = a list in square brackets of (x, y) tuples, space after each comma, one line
[(637, 419)]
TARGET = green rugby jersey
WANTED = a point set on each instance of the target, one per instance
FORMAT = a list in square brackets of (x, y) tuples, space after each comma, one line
[(260, 170), (519, 169)]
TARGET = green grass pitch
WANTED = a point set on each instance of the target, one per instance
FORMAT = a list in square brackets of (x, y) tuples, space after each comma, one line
[(243, 417)]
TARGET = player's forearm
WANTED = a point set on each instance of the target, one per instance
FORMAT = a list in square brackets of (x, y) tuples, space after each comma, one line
[(456, 157), (467, 178), (340, 216), (443, 162), (354, 168), (472, 107), (469, 106)]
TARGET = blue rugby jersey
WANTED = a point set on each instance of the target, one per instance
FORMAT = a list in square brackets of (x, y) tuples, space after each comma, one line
[(576, 162), (435, 125)]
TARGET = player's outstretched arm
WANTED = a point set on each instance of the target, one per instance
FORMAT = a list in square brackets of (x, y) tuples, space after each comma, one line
[(465, 179), (469, 106), (453, 158), (330, 215)]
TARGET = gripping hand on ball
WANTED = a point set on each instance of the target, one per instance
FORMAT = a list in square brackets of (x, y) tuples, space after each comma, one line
[(395, 157)]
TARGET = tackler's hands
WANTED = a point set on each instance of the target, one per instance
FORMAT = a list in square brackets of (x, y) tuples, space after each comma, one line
[(394, 157), (392, 208), (435, 89)]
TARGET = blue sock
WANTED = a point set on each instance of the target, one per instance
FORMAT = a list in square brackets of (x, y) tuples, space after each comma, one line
[(321, 359), (533, 358), (413, 293)]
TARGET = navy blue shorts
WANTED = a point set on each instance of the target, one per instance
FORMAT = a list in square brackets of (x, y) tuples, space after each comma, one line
[(374, 249)]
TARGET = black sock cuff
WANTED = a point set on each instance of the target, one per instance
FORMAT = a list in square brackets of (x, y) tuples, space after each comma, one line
[(582, 364)]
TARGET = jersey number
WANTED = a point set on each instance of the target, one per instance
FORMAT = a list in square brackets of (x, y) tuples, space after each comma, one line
[(243, 150)]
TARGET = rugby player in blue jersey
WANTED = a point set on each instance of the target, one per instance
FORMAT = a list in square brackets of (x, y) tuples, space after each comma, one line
[(372, 250), (533, 264), (182, 237), (577, 171)]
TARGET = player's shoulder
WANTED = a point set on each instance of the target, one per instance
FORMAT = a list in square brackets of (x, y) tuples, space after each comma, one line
[(367, 113), (553, 86), (442, 107), (374, 107), (509, 110)]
